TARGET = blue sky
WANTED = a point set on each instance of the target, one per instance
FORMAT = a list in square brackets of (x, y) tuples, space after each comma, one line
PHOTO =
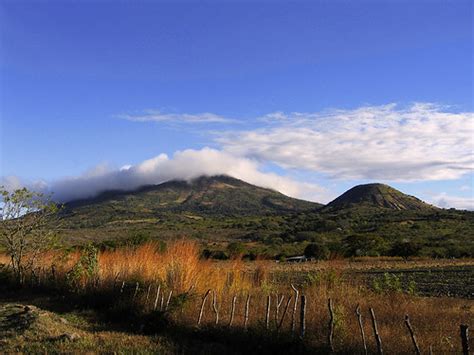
[(88, 87)]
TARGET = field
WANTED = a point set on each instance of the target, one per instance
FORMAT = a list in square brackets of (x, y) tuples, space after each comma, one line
[(423, 277), (156, 294)]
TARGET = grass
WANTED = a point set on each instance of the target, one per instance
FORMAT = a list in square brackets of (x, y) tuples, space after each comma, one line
[(72, 331), (107, 282)]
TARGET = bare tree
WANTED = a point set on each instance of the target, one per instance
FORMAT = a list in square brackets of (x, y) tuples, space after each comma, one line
[(27, 224)]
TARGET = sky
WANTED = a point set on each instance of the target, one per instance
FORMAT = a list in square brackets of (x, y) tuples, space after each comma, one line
[(309, 98)]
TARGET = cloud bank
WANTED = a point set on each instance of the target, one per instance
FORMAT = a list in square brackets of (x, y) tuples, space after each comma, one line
[(421, 142), (184, 165)]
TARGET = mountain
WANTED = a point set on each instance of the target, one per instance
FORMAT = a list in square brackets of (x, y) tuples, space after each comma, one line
[(211, 208), (377, 196), (219, 211), (205, 196)]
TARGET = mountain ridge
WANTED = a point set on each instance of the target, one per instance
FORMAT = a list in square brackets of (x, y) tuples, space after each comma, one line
[(219, 194), (220, 210)]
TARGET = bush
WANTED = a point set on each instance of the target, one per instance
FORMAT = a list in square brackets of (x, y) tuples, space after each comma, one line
[(317, 251), (364, 245), (220, 255), (405, 249), (235, 249)]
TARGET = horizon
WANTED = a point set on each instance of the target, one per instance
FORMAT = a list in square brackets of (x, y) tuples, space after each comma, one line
[(307, 98)]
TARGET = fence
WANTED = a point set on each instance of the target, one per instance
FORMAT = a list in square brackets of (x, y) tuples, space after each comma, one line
[(296, 324), (275, 311)]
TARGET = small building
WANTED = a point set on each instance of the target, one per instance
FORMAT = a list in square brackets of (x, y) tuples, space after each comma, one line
[(297, 259)]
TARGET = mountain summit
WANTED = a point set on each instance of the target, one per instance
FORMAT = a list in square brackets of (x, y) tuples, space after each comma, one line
[(215, 195), (377, 196)]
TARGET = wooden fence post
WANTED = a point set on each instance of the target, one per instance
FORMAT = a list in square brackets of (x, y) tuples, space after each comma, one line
[(376, 333), (303, 316), (267, 314), (147, 294), (202, 306), (465, 338), (331, 326), (162, 302), (137, 286), (214, 305), (295, 306), (361, 327), (412, 334), (246, 317), (53, 273), (157, 296), (115, 280), (284, 312), (168, 300), (232, 311), (277, 308), (39, 277)]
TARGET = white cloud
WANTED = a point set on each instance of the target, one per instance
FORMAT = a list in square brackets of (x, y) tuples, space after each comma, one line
[(447, 201), (382, 143), (184, 165), (158, 116), (421, 142)]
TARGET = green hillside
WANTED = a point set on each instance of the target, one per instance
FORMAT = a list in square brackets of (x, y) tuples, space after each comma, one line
[(219, 211), (217, 195), (176, 207), (376, 219)]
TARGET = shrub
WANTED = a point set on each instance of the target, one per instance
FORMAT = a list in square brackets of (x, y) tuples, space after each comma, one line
[(364, 245), (318, 251), (235, 249), (405, 249)]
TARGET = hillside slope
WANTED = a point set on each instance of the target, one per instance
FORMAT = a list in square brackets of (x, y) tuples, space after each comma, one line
[(217, 196), (377, 196), (372, 219)]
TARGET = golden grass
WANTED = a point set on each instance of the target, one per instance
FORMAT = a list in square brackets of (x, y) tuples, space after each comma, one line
[(179, 269), (4, 259)]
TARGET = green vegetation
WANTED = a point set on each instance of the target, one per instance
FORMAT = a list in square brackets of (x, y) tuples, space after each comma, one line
[(230, 217), (317, 251), (374, 232), (27, 228)]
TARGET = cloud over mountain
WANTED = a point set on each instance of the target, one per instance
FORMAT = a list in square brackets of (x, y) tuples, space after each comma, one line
[(387, 143), (184, 165), (420, 142)]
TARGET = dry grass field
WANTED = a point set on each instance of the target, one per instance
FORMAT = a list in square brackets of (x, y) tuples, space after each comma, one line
[(130, 278)]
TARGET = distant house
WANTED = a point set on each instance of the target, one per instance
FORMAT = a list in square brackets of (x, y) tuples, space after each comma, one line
[(297, 259)]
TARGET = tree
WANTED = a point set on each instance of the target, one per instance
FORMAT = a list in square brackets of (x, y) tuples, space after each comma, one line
[(364, 245), (317, 251), (235, 249), (406, 248), (27, 223)]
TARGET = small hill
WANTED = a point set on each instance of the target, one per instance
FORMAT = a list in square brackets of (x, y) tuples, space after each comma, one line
[(377, 196)]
